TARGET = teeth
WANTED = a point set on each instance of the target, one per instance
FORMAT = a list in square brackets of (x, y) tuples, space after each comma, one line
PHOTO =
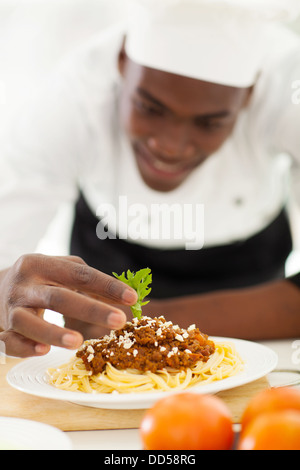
[(165, 167)]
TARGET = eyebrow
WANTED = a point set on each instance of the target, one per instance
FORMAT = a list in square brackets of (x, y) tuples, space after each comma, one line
[(217, 115)]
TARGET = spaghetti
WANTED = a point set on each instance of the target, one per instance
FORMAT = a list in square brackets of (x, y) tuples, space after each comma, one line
[(148, 355)]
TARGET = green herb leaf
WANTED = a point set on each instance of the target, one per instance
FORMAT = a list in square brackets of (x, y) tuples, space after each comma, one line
[(140, 283)]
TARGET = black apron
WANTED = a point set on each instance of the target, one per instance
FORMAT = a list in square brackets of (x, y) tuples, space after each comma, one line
[(260, 258)]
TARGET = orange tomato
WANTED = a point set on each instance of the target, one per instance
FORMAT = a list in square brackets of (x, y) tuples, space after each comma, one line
[(270, 400), (187, 421), (277, 430)]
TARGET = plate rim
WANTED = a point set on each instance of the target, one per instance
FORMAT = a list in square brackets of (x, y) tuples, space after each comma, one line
[(124, 401), (36, 427)]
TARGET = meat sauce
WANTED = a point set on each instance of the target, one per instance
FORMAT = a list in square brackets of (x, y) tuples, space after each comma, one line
[(149, 344)]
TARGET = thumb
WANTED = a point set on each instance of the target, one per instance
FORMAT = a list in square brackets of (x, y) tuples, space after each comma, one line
[(14, 344)]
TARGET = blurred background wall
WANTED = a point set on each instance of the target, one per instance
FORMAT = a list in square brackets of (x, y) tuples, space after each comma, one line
[(34, 36)]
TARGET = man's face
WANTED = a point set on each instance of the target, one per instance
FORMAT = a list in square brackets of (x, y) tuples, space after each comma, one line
[(174, 123)]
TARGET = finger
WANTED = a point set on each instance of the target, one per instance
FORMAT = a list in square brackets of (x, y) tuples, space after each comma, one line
[(26, 324), (75, 305), (19, 346), (80, 276), (74, 258)]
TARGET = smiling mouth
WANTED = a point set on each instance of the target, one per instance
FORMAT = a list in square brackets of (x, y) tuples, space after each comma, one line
[(167, 167), (151, 163)]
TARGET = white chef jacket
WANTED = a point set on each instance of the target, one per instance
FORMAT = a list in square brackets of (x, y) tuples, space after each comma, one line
[(70, 141)]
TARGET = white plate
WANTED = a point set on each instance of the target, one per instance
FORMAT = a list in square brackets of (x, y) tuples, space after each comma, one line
[(22, 434), (30, 377)]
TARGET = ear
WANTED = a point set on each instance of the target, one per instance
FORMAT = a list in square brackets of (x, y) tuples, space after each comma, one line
[(122, 59)]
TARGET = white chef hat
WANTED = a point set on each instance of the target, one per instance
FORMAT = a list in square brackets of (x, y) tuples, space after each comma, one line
[(220, 41)]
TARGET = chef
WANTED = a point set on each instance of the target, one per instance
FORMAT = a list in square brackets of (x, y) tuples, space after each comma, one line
[(176, 140)]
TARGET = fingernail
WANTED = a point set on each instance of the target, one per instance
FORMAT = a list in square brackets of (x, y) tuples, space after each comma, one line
[(70, 341), (116, 320), (129, 296), (41, 349)]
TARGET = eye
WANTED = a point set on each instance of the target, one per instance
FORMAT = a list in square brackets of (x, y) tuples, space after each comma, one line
[(209, 125), (147, 108)]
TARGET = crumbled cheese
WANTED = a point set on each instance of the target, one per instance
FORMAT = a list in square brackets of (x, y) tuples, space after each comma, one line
[(179, 337), (162, 348), (90, 358), (159, 332), (185, 335), (191, 327), (188, 351), (135, 352), (127, 344), (125, 340)]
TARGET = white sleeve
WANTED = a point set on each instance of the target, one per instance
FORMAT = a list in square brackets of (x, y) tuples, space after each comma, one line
[(55, 148), (38, 170), (287, 130)]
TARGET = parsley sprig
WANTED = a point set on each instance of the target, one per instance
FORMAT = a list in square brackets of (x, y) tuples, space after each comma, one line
[(140, 283)]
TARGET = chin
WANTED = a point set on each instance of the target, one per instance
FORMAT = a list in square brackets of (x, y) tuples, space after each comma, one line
[(157, 180), (161, 186)]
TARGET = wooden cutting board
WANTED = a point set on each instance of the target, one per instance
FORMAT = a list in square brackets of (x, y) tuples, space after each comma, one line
[(71, 417)]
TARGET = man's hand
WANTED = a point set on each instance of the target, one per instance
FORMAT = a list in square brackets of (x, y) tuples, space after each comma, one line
[(66, 285)]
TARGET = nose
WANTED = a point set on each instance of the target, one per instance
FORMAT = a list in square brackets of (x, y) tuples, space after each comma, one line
[(173, 144)]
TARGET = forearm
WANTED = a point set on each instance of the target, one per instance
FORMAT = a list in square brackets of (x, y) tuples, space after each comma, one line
[(2, 289), (270, 311)]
